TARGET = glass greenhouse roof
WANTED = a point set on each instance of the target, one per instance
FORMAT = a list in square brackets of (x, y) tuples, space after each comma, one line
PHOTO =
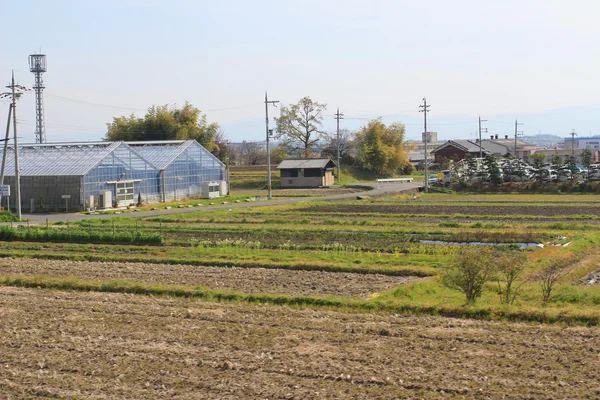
[(58, 159), (77, 159), (162, 153)]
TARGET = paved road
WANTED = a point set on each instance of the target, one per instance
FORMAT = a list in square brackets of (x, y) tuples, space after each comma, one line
[(383, 189)]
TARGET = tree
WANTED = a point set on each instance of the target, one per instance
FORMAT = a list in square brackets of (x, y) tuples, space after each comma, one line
[(299, 126), (381, 148), (165, 123), (554, 271), (586, 158), (556, 160), (472, 269), (511, 266), (571, 161), (444, 163), (278, 154), (346, 145), (251, 153), (493, 169), (538, 162)]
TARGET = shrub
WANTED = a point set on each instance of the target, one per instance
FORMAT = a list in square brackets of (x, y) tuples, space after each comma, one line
[(470, 272)]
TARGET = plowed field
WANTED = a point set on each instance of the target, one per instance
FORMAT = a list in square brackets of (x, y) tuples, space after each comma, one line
[(115, 346), (548, 210), (254, 280)]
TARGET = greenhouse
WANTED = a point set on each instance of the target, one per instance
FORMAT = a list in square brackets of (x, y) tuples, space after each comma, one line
[(99, 175), (185, 167)]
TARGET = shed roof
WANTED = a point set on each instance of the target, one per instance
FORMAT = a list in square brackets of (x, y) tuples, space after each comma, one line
[(294, 163)]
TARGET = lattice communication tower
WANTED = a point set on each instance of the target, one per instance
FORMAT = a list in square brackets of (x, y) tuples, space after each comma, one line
[(37, 65)]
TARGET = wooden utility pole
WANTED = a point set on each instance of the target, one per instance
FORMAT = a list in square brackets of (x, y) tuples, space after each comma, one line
[(425, 109), (338, 116), (480, 149), (267, 102)]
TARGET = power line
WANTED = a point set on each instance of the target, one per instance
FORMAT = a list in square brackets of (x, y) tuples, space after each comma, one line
[(85, 102)]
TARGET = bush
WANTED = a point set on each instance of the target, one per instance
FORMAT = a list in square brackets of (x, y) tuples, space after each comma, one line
[(470, 272)]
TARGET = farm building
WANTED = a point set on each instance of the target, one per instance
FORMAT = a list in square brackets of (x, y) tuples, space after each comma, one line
[(306, 172), (184, 166), (103, 174)]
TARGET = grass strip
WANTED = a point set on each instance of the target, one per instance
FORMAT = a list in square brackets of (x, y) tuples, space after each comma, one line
[(138, 288)]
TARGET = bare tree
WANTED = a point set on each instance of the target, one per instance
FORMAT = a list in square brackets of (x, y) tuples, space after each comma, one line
[(511, 267), (299, 126), (549, 277), (346, 144), (251, 153)]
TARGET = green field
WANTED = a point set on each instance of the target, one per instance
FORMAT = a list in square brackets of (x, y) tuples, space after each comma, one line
[(418, 236)]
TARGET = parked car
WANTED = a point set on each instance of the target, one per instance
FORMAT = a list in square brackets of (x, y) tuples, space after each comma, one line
[(549, 175), (564, 175)]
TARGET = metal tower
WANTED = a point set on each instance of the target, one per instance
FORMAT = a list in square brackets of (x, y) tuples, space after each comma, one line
[(37, 65)]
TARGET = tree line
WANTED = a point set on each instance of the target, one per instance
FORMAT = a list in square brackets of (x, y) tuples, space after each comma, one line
[(376, 147)]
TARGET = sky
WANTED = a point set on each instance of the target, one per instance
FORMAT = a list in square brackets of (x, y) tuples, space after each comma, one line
[(535, 61)]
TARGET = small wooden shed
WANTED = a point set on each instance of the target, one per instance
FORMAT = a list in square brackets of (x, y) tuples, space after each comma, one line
[(306, 172)]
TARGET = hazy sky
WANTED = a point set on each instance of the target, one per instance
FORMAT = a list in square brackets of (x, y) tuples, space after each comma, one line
[(502, 59)]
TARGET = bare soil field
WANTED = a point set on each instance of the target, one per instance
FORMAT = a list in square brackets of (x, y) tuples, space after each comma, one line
[(115, 346), (548, 211), (254, 280)]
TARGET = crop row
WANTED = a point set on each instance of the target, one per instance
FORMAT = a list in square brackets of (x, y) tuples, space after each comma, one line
[(76, 235)]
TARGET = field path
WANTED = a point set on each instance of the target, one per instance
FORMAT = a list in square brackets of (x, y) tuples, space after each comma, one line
[(385, 189)]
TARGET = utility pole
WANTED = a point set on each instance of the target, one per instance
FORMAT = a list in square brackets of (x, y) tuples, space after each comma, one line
[(573, 134), (15, 95), (269, 132), (485, 129), (425, 109), (517, 131), (5, 148), (338, 116)]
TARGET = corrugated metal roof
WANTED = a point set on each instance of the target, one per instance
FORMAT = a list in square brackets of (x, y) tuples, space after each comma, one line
[(58, 159), (291, 163)]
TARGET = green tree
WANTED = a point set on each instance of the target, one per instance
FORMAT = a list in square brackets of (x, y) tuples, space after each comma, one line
[(381, 148), (278, 154), (493, 169), (586, 157), (538, 162), (165, 123), (570, 160), (299, 126), (556, 160)]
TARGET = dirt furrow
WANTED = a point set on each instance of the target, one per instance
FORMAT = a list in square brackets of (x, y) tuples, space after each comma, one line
[(254, 280), (105, 345)]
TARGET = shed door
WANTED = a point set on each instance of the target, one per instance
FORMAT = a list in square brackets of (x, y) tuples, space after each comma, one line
[(124, 193)]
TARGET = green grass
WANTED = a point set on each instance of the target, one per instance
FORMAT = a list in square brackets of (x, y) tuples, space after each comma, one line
[(7, 216)]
